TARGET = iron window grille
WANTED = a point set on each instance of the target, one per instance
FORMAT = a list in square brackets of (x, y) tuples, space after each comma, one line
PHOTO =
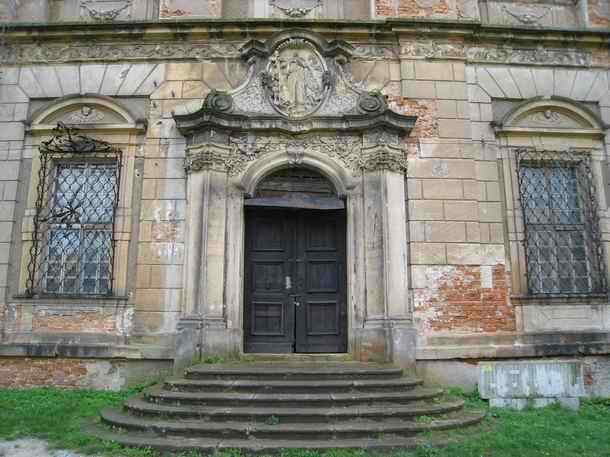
[(73, 242), (563, 246)]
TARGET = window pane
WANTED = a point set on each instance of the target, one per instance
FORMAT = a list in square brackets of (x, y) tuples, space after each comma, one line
[(78, 255), (561, 246)]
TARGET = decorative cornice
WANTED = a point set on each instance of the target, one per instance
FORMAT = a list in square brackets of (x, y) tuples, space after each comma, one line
[(206, 118)]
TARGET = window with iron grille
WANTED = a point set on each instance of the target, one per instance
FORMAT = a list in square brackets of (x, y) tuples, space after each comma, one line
[(562, 238), (72, 251)]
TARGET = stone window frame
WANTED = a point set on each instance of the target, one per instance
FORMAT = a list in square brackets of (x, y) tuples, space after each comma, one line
[(73, 218), (513, 135), (121, 129)]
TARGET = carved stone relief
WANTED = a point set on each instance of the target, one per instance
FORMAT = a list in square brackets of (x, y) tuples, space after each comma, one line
[(381, 150), (549, 118), (105, 11), (497, 54), (297, 79), (298, 87), (110, 52), (85, 115), (295, 8), (550, 13)]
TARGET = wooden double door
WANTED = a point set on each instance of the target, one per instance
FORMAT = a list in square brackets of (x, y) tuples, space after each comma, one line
[(295, 281)]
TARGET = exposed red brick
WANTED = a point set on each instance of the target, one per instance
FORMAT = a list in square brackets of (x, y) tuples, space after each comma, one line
[(410, 8), (598, 14), (29, 372), (385, 8), (426, 112), (72, 322), (459, 303)]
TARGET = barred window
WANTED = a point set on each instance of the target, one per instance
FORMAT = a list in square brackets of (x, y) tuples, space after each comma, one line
[(562, 238), (72, 243)]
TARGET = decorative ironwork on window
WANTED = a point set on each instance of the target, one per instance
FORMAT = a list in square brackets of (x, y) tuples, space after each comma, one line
[(562, 237), (72, 251)]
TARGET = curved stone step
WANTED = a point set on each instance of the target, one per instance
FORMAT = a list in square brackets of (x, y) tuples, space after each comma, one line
[(156, 395), (138, 406), (292, 386), (254, 446), (301, 371), (354, 429)]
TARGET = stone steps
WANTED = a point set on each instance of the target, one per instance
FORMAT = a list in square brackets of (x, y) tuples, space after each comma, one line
[(255, 446), (290, 400), (304, 371), (140, 407), (351, 429), (264, 407), (291, 386)]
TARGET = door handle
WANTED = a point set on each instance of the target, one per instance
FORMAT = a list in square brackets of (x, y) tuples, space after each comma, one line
[(295, 301)]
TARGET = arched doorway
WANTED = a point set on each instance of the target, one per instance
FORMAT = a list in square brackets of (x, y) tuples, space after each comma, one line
[(295, 256)]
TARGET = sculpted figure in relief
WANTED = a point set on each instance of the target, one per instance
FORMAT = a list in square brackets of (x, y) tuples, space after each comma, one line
[(297, 84)]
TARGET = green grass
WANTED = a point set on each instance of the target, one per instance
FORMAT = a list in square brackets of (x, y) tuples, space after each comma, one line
[(58, 416)]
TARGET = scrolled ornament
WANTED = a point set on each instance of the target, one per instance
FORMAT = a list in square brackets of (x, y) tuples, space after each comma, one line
[(219, 101), (371, 103)]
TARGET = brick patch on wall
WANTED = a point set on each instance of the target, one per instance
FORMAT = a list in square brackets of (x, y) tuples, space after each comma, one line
[(94, 321), (27, 372), (455, 301), (426, 112), (599, 13), (385, 8), (423, 8)]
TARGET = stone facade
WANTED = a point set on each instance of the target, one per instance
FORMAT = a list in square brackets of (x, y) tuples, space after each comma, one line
[(417, 123)]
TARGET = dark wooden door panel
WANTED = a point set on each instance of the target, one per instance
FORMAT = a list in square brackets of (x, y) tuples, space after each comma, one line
[(321, 317), (295, 297), (268, 317)]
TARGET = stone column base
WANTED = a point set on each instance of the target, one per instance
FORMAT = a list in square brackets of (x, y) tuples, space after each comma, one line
[(188, 343), (221, 341), (386, 344)]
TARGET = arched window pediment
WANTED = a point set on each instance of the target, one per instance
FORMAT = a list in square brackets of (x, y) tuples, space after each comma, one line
[(551, 115), (87, 112)]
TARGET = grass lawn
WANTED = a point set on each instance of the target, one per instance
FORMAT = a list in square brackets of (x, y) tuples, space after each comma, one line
[(58, 415)]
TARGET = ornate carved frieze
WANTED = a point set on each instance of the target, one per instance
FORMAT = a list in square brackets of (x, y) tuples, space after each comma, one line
[(357, 153), (507, 54), (44, 52), (531, 56), (79, 52)]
